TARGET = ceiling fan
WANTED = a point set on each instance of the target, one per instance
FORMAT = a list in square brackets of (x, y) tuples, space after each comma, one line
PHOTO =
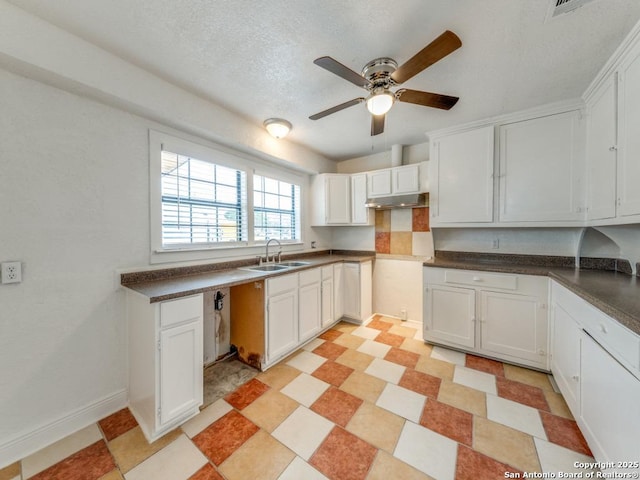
[(379, 75)]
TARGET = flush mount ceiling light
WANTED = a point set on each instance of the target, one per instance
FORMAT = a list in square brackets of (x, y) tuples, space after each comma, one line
[(380, 101), (277, 127)]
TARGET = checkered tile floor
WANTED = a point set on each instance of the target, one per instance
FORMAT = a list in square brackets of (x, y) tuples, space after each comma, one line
[(369, 402)]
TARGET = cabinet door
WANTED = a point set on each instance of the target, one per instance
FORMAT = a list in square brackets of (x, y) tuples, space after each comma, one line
[(514, 325), (338, 201), (180, 370), (379, 183), (461, 177), (351, 284), (338, 291), (359, 213), (282, 324), (327, 302), (310, 311), (406, 179), (540, 169), (629, 146), (609, 396), (450, 315), (602, 153), (565, 356)]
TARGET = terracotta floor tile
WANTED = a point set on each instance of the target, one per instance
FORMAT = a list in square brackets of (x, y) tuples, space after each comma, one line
[(390, 339), (333, 373), (485, 365), (387, 467), (337, 405), (448, 421), (262, 456), (132, 448), (278, 376), (557, 404), (270, 410), (330, 335), (564, 432), (403, 331), (208, 472), (356, 360), (525, 375), (330, 350), (521, 393), (422, 383), (435, 367), (416, 346), (364, 386), (464, 398), (118, 423), (343, 456), (505, 444), (349, 341), (472, 465), (247, 393), (90, 463), (224, 436), (379, 324), (402, 357), (377, 426)]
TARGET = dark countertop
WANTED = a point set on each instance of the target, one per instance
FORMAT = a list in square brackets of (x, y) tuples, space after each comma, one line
[(160, 289), (616, 294)]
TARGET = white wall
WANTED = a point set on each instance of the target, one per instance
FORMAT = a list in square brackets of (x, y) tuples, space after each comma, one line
[(397, 285), (411, 154)]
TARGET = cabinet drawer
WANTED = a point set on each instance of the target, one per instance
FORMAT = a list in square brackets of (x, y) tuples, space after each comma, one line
[(307, 277), (282, 284), (481, 279), (180, 310)]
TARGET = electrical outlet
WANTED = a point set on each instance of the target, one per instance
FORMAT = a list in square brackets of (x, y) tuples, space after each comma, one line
[(496, 243), (11, 272), (403, 314)]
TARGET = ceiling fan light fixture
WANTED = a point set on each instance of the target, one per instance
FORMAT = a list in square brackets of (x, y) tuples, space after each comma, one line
[(379, 103), (277, 127)]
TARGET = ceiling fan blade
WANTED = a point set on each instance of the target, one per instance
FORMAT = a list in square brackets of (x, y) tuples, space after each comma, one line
[(337, 108), (377, 124), (436, 50), (428, 99), (340, 70)]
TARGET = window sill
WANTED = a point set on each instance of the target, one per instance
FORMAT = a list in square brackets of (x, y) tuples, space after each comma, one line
[(236, 252)]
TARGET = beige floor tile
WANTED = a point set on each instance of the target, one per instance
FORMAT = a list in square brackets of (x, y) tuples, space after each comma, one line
[(349, 341), (278, 376), (345, 327), (131, 448), (115, 475), (262, 456), (416, 346), (363, 386), (10, 472), (403, 331), (505, 445), (435, 367), (270, 409), (356, 360), (464, 398), (386, 466), (530, 377), (377, 426), (557, 404)]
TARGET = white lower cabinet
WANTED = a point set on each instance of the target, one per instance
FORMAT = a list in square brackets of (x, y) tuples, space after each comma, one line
[(596, 364), (165, 361), (281, 315), (498, 315), (310, 304), (338, 291), (356, 278), (327, 295)]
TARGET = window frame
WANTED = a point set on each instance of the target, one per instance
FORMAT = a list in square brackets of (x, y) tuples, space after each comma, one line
[(226, 157)]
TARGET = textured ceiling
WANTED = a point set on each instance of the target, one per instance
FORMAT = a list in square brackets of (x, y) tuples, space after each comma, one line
[(256, 57)]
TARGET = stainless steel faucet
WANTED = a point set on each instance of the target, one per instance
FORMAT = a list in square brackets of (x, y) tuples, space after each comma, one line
[(279, 251)]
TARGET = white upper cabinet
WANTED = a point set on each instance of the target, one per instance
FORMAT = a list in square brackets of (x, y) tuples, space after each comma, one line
[(339, 199), (397, 180), (602, 140), (461, 177), (541, 169), (405, 179), (379, 183), (359, 212), (629, 124)]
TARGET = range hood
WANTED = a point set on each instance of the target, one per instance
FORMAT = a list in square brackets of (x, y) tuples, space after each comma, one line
[(412, 200)]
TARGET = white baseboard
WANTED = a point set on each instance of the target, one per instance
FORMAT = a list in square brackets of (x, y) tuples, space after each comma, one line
[(27, 443)]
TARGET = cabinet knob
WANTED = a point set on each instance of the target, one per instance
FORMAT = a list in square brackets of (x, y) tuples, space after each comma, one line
[(613, 148), (576, 378), (477, 279), (603, 328)]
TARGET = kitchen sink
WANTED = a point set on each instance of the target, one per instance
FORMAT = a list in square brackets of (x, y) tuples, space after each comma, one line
[(293, 264), (266, 268)]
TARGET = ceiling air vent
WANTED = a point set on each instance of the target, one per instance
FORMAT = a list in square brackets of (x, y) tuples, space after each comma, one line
[(560, 7)]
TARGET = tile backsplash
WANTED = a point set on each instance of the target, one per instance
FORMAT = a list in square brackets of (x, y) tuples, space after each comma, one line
[(404, 232)]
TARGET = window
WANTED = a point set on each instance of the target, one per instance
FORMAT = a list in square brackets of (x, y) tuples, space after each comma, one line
[(275, 209), (205, 198)]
